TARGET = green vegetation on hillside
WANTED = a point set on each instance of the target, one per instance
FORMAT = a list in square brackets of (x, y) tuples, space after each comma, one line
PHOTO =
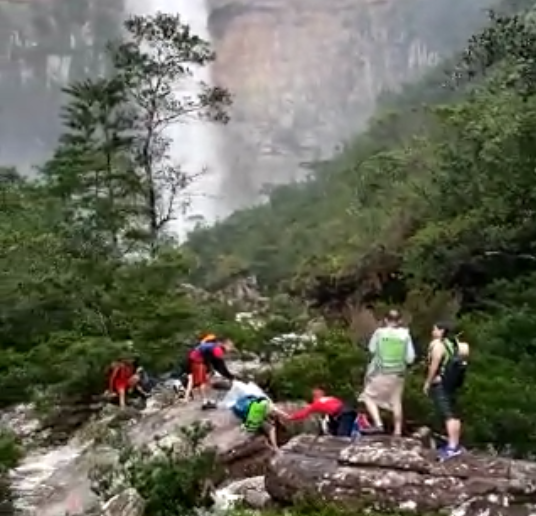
[(431, 209)]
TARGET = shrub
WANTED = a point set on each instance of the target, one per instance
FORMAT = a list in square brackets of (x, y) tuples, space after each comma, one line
[(10, 455), (173, 480)]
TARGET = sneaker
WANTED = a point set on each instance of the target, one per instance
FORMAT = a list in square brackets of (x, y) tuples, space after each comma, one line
[(209, 405), (373, 430), (447, 453)]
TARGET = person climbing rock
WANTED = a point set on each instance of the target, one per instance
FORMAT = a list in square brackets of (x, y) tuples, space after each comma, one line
[(392, 350), (124, 378), (447, 362), (341, 419), (206, 356), (258, 415)]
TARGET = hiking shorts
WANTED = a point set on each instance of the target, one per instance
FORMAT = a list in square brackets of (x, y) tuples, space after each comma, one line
[(199, 373), (343, 424), (444, 402)]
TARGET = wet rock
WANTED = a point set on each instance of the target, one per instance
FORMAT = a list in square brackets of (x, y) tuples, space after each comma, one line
[(385, 473), (50, 481), (127, 503)]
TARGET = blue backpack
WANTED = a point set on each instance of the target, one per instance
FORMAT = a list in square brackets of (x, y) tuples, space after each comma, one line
[(206, 347), (241, 407)]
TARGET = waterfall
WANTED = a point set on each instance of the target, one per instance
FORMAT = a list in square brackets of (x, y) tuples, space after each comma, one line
[(195, 144)]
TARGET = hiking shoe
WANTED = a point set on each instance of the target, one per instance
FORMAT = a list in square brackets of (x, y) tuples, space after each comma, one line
[(209, 405), (373, 430), (448, 453)]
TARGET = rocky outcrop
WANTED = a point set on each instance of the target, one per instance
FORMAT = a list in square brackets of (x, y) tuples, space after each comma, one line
[(386, 473), (249, 492), (53, 481), (305, 74)]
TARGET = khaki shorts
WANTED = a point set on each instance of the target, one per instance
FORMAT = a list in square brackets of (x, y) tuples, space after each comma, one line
[(385, 390)]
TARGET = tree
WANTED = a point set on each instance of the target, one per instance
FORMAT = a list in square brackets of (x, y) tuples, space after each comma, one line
[(113, 162), (158, 59), (92, 170)]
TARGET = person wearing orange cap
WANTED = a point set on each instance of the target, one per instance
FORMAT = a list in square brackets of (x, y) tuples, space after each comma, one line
[(209, 354)]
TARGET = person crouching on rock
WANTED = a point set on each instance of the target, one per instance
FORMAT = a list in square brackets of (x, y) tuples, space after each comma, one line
[(206, 356), (124, 378), (447, 362), (392, 351), (341, 419), (258, 415)]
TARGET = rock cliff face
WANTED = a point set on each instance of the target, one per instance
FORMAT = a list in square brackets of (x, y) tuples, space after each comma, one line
[(305, 73)]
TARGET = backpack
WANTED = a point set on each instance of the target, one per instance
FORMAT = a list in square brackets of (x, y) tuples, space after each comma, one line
[(241, 407), (453, 371)]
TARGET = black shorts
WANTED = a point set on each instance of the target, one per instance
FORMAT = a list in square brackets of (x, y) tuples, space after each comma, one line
[(342, 425), (444, 402)]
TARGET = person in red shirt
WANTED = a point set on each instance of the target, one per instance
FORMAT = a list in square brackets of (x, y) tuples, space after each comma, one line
[(124, 378), (340, 417), (208, 355)]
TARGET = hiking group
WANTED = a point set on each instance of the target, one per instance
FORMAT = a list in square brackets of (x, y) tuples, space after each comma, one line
[(392, 352)]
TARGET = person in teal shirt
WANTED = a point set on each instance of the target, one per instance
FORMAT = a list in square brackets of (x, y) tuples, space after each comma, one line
[(392, 351)]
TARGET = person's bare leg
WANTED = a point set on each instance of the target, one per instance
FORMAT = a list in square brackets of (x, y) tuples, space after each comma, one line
[(397, 418), (203, 391), (270, 431), (374, 412), (189, 388), (122, 398), (398, 411), (453, 427)]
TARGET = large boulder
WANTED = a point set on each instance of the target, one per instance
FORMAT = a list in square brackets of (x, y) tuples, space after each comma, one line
[(386, 473)]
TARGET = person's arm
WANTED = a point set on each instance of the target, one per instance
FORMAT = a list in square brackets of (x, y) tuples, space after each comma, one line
[(139, 388), (303, 413), (410, 350), (218, 364), (436, 356), (277, 412)]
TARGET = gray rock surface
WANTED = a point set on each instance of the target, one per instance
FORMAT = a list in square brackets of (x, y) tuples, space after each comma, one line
[(250, 492), (52, 481), (386, 473)]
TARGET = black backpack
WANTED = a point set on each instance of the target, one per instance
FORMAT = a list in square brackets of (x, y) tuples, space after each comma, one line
[(453, 372)]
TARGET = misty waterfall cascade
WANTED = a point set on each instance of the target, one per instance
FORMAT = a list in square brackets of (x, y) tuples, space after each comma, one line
[(195, 143)]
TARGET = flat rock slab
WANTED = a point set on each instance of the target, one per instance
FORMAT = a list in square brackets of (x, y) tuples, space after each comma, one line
[(386, 473)]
